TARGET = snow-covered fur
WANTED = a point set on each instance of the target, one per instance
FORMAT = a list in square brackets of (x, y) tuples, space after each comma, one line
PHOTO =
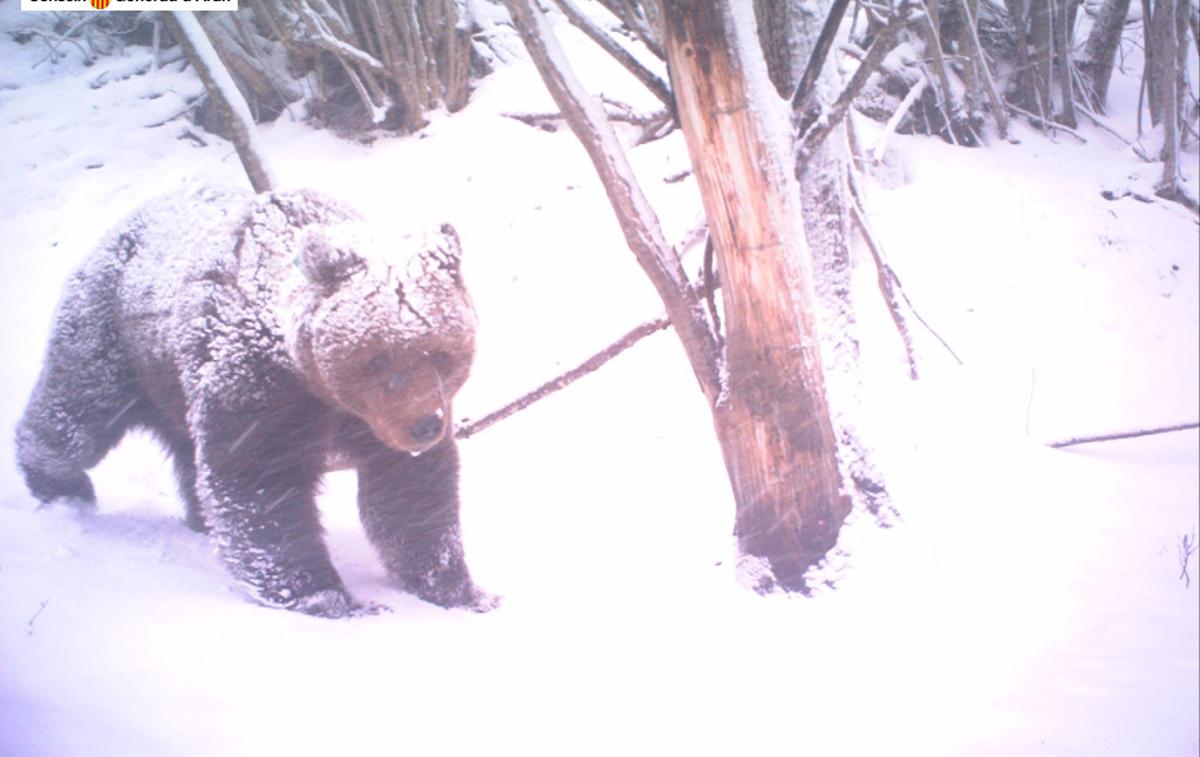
[(265, 339)]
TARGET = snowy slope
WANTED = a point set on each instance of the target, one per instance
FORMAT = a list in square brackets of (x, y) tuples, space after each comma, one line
[(1027, 602)]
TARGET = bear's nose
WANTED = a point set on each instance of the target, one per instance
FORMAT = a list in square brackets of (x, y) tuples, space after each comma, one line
[(427, 429)]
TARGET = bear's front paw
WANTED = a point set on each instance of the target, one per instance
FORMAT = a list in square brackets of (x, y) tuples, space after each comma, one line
[(465, 596)]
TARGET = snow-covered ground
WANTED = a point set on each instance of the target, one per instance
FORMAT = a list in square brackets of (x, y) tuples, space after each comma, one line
[(1027, 601)]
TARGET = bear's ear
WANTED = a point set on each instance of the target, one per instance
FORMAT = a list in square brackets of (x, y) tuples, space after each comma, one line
[(325, 260), (443, 254)]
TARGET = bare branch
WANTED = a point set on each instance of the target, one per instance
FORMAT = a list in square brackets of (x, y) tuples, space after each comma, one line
[(635, 21), (816, 61), (643, 233), (467, 429), (1098, 121), (656, 85), (1047, 123), (1122, 435), (825, 123)]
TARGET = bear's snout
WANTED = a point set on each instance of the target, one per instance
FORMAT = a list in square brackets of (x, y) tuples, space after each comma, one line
[(428, 429)]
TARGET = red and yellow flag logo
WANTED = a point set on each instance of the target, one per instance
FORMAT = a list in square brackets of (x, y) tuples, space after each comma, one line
[(99, 4)]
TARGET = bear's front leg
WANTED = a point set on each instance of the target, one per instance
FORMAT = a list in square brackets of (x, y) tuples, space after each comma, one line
[(409, 508), (257, 473)]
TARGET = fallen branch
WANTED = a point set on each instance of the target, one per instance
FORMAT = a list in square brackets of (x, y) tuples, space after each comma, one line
[(1047, 123), (29, 623), (1122, 435), (1098, 121), (470, 428), (553, 121)]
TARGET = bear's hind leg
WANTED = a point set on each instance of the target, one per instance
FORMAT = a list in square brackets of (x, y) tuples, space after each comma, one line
[(84, 401)]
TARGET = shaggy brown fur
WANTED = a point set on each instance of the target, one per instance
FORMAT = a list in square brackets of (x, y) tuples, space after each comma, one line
[(261, 337)]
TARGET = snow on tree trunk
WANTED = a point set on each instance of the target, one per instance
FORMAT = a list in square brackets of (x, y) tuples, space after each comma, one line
[(773, 422), (825, 204), (203, 57)]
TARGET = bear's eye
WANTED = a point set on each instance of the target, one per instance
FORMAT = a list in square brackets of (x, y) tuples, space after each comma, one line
[(377, 364)]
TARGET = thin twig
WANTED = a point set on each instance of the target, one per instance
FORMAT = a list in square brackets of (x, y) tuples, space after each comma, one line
[(1047, 123), (890, 286), (1187, 548), (886, 283), (467, 429), (1122, 435), (29, 623)]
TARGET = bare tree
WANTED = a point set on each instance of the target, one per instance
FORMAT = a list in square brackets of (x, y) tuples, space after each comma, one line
[(374, 62), (774, 423), (763, 376)]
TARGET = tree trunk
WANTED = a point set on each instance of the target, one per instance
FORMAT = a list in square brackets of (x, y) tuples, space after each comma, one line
[(822, 172), (1160, 60), (1025, 95), (1100, 51), (773, 421), (1063, 19), (1171, 41), (1041, 27)]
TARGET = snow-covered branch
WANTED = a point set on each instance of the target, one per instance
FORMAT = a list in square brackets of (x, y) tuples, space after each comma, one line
[(221, 88)]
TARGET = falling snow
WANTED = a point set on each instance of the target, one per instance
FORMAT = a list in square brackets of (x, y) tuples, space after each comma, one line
[(1026, 601)]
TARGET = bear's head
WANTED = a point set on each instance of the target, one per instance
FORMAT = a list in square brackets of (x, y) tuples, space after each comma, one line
[(387, 334)]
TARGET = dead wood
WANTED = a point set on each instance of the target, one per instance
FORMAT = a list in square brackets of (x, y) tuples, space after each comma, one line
[(469, 428), (1122, 435)]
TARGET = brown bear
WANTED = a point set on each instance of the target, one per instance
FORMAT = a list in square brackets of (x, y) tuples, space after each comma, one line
[(266, 339)]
